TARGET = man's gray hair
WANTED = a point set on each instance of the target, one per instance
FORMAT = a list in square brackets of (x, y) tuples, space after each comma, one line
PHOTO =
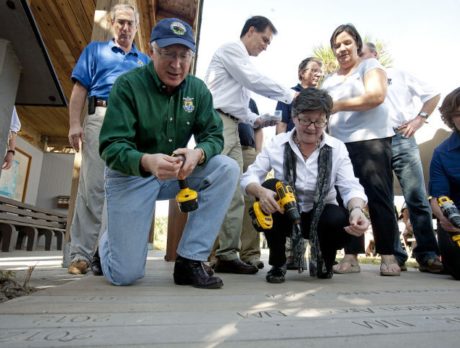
[(371, 46), (124, 7)]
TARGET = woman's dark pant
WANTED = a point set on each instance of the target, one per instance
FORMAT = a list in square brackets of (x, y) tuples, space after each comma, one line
[(371, 161), (331, 234), (450, 252)]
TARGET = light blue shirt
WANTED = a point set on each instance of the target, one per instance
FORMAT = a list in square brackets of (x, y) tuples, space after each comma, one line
[(101, 63)]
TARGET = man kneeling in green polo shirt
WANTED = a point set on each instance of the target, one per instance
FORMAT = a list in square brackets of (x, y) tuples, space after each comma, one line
[(153, 112)]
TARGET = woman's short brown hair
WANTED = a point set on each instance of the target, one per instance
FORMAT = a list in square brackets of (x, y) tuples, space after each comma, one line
[(450, 106)]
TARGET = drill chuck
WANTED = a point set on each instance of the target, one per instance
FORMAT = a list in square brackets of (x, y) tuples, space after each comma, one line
[(187, 199), (449, 210)]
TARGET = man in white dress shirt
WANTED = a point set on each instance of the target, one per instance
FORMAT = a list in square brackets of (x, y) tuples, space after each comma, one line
[(407, 119), (230, 77)]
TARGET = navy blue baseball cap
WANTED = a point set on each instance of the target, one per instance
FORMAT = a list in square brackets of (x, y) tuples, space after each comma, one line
[(172, 31)]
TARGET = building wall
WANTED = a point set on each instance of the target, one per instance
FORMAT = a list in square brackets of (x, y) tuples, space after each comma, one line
[(55, 180), (34, 171), (50, 175)]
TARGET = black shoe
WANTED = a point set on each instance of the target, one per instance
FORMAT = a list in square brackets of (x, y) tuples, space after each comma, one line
[(276, 275), (208, 269), (325, 275), (290, 265), (234, 266), (433, 265), (190, 272), (256, 263), (96, 264)]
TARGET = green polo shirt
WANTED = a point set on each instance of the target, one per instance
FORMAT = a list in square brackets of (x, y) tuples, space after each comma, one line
[(142, 118)]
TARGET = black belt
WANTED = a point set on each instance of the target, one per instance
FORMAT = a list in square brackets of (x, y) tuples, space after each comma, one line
[(236, 119), (101, 102), (95, 101)]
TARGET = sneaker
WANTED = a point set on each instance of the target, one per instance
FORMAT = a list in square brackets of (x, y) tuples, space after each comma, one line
[(431, 266), (276, 275), (78, 267)]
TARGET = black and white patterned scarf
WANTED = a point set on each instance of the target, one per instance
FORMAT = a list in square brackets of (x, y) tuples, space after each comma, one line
[(316, 262)]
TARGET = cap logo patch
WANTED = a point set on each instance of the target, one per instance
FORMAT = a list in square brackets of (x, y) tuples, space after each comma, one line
[(178, 28)]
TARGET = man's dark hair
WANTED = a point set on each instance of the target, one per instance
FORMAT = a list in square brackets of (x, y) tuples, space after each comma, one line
[(260, 23), (350, 29), (312, 99), (449, 107)]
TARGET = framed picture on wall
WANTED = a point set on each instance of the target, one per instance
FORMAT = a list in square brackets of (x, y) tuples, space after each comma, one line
[(13, 182)]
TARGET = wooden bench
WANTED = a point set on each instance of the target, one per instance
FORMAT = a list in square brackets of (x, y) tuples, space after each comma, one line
[(20, 223)]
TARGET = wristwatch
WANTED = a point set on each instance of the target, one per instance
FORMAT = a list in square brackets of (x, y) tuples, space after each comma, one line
[(423, 114)]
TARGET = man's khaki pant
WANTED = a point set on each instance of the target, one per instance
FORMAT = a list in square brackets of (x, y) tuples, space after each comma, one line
[(250, 238), (86, 223), (227, 244)]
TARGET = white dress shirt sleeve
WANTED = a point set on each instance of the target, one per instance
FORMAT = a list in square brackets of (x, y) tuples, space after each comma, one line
[(15, 123), (242, 70), (230, 77)]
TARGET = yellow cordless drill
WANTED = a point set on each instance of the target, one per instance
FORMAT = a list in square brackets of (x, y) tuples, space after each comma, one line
[(452, 214), (286, 199), (449, 210), (187, 199)]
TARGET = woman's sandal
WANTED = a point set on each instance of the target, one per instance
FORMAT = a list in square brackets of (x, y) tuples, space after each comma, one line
[(347, 265), (389, 266)]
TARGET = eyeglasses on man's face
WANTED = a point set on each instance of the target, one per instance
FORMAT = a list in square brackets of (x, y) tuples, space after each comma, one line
[(314, 71), (184, 57)]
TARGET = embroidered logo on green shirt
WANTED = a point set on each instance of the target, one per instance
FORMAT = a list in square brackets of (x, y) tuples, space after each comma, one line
[(188, 104)]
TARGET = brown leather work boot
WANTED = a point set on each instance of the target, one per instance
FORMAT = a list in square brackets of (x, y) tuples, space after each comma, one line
[(78, 267)]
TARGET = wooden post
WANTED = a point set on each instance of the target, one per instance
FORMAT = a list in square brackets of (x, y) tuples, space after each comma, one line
[(176, 223)]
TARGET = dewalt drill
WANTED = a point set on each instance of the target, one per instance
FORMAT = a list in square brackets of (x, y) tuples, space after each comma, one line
[(285, 198), (187, 199), (449, 210)]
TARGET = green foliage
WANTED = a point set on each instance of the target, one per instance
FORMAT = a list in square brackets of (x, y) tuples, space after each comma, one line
[(161, 232), (325, 54), (385, 57), (7, 275)]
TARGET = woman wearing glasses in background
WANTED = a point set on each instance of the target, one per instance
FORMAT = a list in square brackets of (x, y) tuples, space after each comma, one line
[(360, 119), (313, 163)]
